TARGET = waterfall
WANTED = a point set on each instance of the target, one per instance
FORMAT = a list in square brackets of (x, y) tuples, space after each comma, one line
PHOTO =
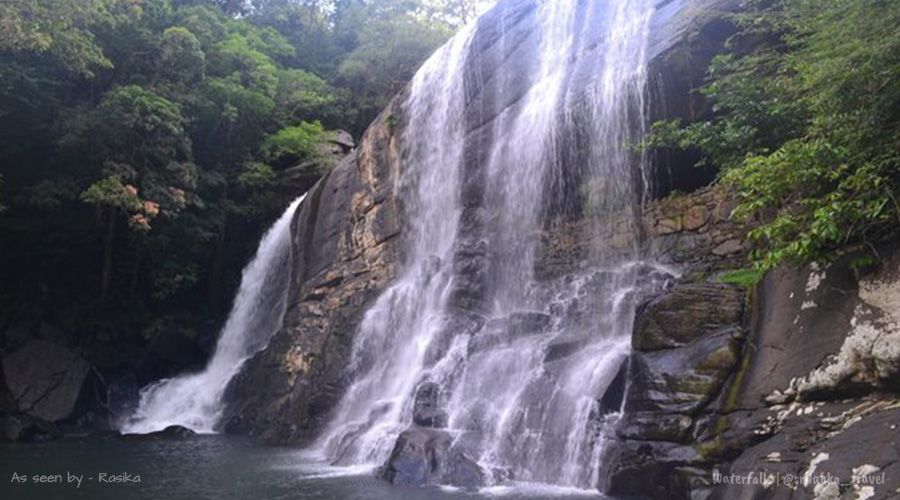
[(521, 362), (195, 400)]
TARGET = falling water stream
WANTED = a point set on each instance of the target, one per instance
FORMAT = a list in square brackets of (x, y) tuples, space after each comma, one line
[(520, 362), (195, 400)]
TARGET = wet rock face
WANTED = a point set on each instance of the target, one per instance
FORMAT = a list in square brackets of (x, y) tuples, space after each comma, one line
[(425, 456), (346, 249), (612, 398), (688, 313), (683, 380), (427, 410), (817, 394), (828, 449), (687, 342), (348, 237), (805, 395)]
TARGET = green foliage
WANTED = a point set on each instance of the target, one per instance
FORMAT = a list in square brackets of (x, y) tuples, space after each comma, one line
[(60, 28), (138, 137), (302, 95), (863, 262), (173, 278), (392, 122), (239, 62), (111, 192), (805, 127), (294, 144), (138, 125), (142, 141), (256, 175), (181, 58), (746, 278), (389, 50)]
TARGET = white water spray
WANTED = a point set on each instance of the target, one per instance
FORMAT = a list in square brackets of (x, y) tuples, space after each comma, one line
[(522, 365), (195, 400)]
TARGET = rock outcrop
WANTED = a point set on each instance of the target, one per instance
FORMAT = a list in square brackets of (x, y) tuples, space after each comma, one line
[(775, 399), (820, 388), (43, 382), (346, 247), (687, 343), (170, 433), (426, 456)]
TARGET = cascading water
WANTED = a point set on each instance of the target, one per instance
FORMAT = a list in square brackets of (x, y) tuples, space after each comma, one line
[(520, 362), (389, 353), (195, 400)]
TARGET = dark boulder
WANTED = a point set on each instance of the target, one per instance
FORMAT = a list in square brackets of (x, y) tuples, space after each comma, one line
[(25, 428), (650, 469), (170, 433), (672, 427), (687, 344), (804, 395), (423, 456), (683, 380), (834, 441), (45, 379)]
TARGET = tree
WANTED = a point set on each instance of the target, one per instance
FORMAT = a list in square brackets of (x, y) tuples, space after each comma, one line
[(181, 58), (139, 139), (230, 7), (292, 145), (60, 28), (391, 45), (302, 95)]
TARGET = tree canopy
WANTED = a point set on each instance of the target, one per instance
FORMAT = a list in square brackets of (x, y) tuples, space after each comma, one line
[(141, 140)]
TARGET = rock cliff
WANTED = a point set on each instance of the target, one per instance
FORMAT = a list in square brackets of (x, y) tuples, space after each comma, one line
[(787, 384), (347, 250), (793, 376), (349, 235)]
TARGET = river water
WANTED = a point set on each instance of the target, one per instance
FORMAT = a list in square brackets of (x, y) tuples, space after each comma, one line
[(207, 467)]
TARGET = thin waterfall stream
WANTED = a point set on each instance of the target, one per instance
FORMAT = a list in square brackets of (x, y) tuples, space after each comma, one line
[(195, 400), (518, 363)]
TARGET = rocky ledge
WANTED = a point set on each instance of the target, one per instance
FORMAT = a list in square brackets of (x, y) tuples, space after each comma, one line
[(775, 392)]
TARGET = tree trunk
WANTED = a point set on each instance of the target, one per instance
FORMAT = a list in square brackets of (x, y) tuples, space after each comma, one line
[(106, 275), (218, 262), (135, 273)]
